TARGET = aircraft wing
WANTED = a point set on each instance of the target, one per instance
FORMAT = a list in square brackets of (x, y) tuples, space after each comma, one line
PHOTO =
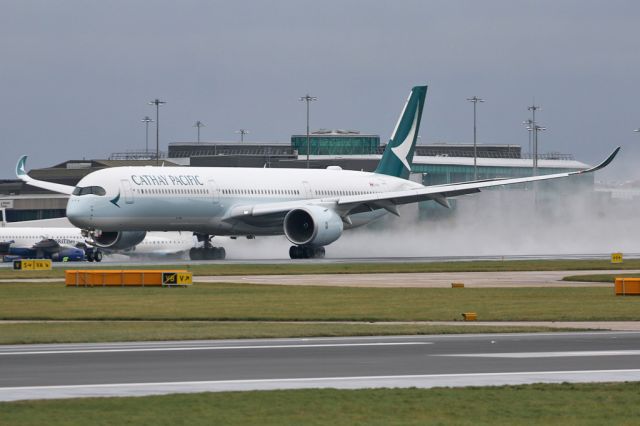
[(352, 204), (55, 187)]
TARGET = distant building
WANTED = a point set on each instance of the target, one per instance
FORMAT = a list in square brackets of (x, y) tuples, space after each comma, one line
[(336, 142)]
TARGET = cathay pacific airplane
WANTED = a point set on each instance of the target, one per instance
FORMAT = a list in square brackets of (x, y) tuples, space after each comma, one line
[(311, 207)]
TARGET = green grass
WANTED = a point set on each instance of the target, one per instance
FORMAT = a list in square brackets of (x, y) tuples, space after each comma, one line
[(244, 302), (133, 331), (599, 278), (348, 268), (567, 404)]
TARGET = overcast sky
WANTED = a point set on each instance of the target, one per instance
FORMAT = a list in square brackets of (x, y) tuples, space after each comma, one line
[(76, 76)]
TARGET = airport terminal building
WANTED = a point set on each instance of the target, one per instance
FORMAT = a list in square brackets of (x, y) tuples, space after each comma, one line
[(434, 164)]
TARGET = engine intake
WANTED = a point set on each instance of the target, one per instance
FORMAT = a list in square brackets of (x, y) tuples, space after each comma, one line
[(118, 240), (312, 226)]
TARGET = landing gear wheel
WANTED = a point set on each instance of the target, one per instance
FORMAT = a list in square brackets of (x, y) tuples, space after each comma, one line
[(207, 253), (196, 254), (97, 256), (306, 252), (222, 253)]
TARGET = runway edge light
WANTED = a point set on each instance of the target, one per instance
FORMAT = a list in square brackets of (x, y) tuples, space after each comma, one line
[(469, 316)]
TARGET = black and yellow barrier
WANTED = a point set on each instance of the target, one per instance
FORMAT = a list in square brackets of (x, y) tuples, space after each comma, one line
[(128, 278), (32, 265)]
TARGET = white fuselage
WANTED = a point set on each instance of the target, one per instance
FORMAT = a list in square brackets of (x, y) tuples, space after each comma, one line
[(154, 243), (208, 200)]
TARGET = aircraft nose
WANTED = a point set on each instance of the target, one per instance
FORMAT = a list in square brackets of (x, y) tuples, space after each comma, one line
[(79, 212)]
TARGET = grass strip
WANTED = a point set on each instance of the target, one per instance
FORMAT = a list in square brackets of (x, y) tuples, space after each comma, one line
[(133, 331), (218, 269), (567, 404), (599, 278), (246, 302)]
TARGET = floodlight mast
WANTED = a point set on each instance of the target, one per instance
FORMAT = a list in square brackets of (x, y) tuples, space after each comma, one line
[(308, 98), (157, 102), (533, 126), (146, 120), (198, 124), (242, 132), (475, 100)]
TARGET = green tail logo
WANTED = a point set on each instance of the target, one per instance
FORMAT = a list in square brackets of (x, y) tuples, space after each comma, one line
[(398, 155)]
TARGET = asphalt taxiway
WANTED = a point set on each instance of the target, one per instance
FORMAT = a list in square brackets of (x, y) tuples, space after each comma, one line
[(422, 279), (127, 369)]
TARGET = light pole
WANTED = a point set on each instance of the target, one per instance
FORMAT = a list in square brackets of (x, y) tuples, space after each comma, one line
[(475, 100), (308, 99), (199, 124), (533, 126), (528, 123), (146, 120), (535, 129), (242, 132), (157, 102)]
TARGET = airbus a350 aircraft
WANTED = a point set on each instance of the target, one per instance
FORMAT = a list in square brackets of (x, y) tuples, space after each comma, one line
[(310, 207)]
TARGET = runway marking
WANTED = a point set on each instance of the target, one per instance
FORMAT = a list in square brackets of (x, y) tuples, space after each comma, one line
[(629, 352), (354, 382), (210, 348)]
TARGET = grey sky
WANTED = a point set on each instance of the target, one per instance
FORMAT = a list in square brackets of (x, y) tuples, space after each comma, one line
[(76, 76)]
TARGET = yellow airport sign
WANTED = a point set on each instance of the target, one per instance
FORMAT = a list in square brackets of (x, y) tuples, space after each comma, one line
[(177, 278), (616, 258), (32, 264)]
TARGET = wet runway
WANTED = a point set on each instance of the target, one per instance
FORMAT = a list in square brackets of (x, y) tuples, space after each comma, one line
[(74, 370)]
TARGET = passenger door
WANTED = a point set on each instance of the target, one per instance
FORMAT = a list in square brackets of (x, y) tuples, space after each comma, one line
[(126, 190)]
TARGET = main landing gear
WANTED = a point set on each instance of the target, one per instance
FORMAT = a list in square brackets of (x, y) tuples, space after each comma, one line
[(207, 252), (306, 252)]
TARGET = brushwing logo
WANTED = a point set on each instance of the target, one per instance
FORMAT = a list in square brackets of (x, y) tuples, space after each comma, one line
[(116, 200), (21, 166), (402, 151)]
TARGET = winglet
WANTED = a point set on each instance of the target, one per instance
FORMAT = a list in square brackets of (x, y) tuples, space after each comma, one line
[(50, 186), (604, 164), (20, 166)]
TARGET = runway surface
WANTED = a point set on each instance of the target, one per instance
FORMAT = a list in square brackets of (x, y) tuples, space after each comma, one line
[(126, 369), (122, 260)]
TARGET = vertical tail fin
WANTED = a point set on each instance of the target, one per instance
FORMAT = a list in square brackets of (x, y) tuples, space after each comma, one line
[(398, 155)]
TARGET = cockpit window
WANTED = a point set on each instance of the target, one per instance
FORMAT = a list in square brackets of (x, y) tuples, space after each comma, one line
[(86, 190)]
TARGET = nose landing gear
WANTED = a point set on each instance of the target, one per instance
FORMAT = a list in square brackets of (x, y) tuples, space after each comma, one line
[(93, 254), (306, 252)]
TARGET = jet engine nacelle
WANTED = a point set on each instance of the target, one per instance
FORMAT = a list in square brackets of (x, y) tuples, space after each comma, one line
[(118, 240), (312, 226)]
